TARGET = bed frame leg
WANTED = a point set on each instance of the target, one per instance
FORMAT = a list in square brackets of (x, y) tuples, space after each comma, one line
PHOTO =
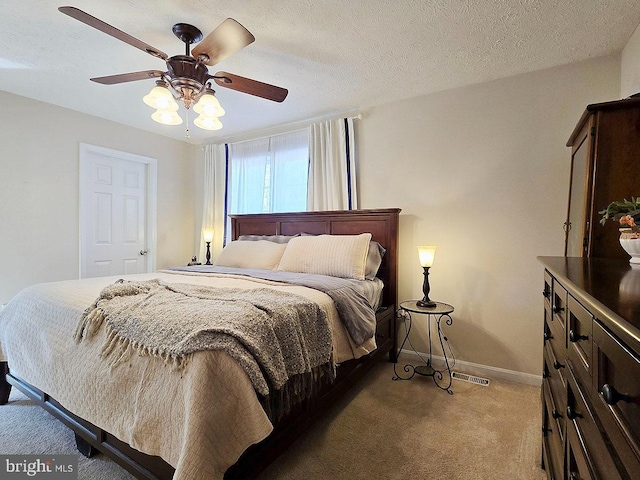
[(5, 387), (85, 448)]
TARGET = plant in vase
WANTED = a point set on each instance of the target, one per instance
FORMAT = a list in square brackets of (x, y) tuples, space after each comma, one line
[(627, 214)]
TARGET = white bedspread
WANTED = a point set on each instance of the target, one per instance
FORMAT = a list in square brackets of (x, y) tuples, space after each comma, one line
[(199, 419)]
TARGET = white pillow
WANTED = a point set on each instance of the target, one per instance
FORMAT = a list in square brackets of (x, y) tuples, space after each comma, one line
[(260, 254), (336, 255)]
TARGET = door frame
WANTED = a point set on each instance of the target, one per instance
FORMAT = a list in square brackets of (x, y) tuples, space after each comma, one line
[(151, 200)]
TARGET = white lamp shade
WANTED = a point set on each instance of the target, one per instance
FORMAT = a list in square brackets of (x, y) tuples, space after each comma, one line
[(209, 106), (208, 123), (161, 99), (207, 234), (166, 117), (426, 254)]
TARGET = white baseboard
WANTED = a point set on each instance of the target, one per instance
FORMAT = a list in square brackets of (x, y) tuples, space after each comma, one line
[(481, 370)]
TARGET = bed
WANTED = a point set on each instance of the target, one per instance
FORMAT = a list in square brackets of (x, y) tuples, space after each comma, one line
[(244, 432)]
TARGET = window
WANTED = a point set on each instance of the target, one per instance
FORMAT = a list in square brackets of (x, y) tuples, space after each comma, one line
[(269, 174)]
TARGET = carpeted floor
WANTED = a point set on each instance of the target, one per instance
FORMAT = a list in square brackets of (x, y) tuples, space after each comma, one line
[(383, 429)]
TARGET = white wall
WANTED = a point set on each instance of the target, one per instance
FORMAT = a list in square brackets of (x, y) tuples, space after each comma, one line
[(483, 173), (630, 69), (39, 190)]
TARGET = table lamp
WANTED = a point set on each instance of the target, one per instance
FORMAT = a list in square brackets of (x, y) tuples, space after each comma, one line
[(207, 234), (426, 254)]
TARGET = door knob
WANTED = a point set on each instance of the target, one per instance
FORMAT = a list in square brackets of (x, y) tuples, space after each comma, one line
[(143, 252)]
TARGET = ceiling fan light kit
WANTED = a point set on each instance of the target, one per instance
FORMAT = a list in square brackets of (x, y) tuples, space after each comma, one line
[(187, 76), (207, 105)]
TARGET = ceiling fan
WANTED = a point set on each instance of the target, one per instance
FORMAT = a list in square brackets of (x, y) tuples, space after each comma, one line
[(187, 75)]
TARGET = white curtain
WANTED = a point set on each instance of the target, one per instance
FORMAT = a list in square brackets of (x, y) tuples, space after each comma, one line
[(268, 174), (289, 171), (247, 168), (332, 166), (213, 210)]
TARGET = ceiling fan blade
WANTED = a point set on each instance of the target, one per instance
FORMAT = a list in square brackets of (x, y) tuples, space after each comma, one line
[(252, 87), (127, 77), (113, 31), (228, 38)]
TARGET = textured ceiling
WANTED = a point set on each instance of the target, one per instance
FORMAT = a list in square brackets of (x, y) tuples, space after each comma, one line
[(332, 55)]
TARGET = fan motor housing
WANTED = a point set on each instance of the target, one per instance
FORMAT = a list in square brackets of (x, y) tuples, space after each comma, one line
[(182, 67)]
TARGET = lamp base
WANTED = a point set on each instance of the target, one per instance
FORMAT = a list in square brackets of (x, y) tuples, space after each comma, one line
[(426, 303), (208, 253)]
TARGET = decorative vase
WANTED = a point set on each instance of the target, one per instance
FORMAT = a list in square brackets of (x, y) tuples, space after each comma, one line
[(630, 241)]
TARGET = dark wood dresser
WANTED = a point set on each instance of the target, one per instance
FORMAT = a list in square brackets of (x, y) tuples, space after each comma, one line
[(591, 369)]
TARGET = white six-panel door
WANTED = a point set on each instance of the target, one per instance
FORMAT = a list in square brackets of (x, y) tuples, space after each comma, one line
[(117, 195)]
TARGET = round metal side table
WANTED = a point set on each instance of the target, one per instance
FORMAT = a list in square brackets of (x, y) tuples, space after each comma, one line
[(441, 311)]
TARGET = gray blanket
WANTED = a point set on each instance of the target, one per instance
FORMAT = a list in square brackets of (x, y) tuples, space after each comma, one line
[(353, 307), (261, 328)]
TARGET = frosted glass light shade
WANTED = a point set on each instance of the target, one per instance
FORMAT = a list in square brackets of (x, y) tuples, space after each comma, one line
[(161, 99), (426, 254), (166, 117), (208, 123), (207, 234), (209, 106)]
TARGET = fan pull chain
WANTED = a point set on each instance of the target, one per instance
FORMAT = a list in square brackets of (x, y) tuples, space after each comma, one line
[(186, 132)]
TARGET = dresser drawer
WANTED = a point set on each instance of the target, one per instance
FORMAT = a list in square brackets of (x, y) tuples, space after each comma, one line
[(546, 291), (557, 402), (555, 339), (553, 445), (559, 305), (556, 373), (580, 334), (579, 324), (616, 376), (588, 452), (577, 461)]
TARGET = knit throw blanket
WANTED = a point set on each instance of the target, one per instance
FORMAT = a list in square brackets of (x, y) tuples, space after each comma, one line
[(281, 340)]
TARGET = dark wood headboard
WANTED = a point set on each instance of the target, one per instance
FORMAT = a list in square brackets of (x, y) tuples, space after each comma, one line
[(382, 224)]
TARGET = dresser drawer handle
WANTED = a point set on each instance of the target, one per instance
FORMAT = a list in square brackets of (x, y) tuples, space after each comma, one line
[(572, 414), (557, 365), (546, 294), (574, 337), (612, 396), (547, 336), (556, 414), (545, 375), (557, 309)]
